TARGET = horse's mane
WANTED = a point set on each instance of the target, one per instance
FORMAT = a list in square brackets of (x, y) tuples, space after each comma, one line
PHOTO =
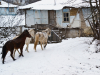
[(23, 34), (46, 30)]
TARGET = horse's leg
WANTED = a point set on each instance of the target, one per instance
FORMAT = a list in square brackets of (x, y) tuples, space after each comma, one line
[(27, 47), (21, 50), (41, 45), (15, 51), (36, 41), (45, 43), (12, 54), (35, 45), (18, 51), (4, 57)]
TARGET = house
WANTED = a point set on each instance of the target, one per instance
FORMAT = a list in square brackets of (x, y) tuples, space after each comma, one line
[(20, 2), (8, 8), (10, 20), (68, 17)]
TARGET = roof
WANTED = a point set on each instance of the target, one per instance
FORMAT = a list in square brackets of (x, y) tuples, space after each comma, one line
[(55, 4), (5, 4)]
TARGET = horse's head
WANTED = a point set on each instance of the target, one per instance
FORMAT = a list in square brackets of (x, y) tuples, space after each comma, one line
[(26, 33), (48, 31), (31, 31)]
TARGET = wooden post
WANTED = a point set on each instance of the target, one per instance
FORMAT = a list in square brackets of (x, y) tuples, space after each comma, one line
[(99, 19)]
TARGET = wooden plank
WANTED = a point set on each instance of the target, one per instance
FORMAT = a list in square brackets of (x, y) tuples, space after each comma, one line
[(73, 11)]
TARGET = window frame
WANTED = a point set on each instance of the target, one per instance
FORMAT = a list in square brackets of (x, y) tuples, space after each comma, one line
[(11, 9), (66, 16)]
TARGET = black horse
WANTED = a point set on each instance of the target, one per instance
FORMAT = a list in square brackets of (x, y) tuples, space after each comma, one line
[(17, 43)]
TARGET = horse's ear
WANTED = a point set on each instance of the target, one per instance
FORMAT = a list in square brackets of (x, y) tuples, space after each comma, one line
[(25, 30)]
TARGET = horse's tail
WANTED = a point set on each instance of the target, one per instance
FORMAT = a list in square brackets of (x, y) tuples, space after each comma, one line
[(36, 41), (4, 51)]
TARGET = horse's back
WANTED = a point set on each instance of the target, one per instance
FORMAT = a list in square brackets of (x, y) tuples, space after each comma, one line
[(18, 43), (9, 44)]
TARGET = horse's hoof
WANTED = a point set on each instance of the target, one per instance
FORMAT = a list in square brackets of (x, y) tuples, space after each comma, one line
[(3, 62), (19, 55), (14, 59), (44, 46)]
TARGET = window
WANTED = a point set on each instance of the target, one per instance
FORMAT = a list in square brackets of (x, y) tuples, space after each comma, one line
[(11, 9), (66, 15)]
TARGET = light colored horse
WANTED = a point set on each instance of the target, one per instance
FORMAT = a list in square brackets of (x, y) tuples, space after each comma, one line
[(42, 37), (27, 41)]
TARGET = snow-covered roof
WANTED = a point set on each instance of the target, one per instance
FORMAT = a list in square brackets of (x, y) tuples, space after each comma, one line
[(55, 4), (5, 4)]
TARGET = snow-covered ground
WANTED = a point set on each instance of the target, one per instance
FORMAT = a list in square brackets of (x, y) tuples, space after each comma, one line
[(73, 56)]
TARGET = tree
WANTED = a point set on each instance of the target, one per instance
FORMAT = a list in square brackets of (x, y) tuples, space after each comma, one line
[(9, 24), (94, 19)]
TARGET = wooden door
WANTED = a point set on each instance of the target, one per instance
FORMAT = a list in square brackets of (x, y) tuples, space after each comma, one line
[(52, 17)]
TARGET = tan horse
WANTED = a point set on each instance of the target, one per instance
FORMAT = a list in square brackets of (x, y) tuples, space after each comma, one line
[(27, 41), (42, 37)]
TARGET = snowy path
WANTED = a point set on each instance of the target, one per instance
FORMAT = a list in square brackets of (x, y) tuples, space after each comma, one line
[(70, 57)]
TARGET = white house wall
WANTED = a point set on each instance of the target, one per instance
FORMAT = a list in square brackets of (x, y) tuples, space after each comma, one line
[(59, 18), (41, 17), (36, 17), (77, 21), (29, 17), (5, 11), (44, 16), (74, 20)]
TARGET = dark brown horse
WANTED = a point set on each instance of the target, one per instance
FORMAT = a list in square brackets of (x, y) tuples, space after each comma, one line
[(17, 43)]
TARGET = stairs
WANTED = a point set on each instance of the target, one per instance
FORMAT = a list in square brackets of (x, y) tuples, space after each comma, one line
[(56, 36)]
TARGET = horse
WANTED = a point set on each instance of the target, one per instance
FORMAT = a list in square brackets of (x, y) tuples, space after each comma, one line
[(42, 37), (27, 41), (15, 44)]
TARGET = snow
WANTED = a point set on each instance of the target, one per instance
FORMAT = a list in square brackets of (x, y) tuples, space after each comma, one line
[(10, 21), (5, 4), (73, 56), (54, 4)]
